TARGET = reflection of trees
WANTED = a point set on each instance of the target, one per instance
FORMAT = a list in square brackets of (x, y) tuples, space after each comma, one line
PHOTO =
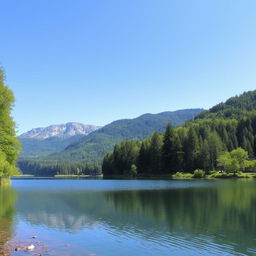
[(7, 210), (229, 208)]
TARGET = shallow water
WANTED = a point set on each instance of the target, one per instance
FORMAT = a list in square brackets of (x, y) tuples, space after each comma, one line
[(130, 217)]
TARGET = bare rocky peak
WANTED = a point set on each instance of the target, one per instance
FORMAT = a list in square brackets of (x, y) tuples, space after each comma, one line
[(62, 131)]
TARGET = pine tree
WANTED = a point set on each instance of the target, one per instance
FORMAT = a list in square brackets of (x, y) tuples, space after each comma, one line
[(155, 153), (171, 151), (192, 148)]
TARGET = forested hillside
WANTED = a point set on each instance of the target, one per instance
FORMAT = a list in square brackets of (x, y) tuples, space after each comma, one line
[(9, 146), (39, 148), (196, 145), (234, 107), (97, 144)]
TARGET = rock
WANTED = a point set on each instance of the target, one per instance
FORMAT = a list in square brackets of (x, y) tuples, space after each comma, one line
[(30, 247), (62, 131)]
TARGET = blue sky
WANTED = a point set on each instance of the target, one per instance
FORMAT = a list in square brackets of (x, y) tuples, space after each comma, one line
[(95, 61)]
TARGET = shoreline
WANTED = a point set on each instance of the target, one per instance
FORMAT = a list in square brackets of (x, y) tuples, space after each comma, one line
[(187, 176)]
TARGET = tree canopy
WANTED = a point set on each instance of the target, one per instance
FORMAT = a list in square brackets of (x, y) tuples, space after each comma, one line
[(9, 146)]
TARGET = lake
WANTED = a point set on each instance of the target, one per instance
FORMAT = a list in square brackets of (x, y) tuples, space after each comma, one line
[(129, 217)]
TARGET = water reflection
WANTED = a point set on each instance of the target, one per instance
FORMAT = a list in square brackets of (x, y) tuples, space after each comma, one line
[(223, 214), (7, 211)]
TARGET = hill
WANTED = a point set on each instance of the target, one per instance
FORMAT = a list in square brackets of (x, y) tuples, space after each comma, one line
[(222, 138), (234, 107), (43, 141), (98, 143)]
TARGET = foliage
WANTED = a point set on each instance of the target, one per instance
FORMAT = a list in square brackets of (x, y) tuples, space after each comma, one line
[(171, 150), (235, 107), (199, 173), (133, 171), (234, 161), (200, 144), (9, 146), (39, 167), (181, 175)]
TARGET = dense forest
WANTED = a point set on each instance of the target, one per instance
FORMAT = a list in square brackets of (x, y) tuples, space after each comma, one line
[(196, 145), (39, 167), (9, 145)]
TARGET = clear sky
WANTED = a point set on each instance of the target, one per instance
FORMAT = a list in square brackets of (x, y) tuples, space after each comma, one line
[(95, 61)]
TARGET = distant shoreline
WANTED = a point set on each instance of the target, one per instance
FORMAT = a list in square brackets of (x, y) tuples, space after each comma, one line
[(177, 176)]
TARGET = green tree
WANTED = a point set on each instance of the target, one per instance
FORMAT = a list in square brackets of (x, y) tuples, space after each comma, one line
[(234, 161), (192, 150), (133, 171), (171, 151), (143, 161), (155, 153), (9, 146)]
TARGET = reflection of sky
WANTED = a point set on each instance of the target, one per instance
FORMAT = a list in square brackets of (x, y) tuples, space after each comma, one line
[(71, 185), (103, 240)]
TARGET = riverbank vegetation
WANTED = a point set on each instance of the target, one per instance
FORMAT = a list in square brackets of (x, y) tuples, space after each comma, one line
[(9, 145)]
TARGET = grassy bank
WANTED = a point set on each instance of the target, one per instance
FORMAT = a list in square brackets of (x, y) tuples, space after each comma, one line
[(214, 175)]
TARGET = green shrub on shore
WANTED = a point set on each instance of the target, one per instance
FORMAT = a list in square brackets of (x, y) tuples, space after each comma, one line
[(198, 173), (181, 175)]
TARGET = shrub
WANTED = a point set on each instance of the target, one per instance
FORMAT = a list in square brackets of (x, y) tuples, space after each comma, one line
[(181, 175), (199, 174), (133, 171)]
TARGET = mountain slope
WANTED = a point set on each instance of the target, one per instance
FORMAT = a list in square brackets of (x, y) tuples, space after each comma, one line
[(43, 141), (98, 143), (60, 131), (234, 107)]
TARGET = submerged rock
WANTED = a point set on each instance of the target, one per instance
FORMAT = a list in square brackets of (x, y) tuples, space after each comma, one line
[(30, 247)]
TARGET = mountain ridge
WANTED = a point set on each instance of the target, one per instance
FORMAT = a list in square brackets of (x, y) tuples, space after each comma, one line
[(95, 145), (59, 130), (43, 141)]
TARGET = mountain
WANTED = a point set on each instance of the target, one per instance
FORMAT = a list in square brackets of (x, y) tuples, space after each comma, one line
[(61, 131), (234, 107), (43, 141), (98, 143)]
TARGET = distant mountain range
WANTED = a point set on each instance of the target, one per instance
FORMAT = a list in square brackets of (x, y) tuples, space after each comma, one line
[(46, 140), (75, 141), (61, 131), (95, 145)]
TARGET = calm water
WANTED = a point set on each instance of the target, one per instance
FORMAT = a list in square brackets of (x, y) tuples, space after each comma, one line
[(117, 217)]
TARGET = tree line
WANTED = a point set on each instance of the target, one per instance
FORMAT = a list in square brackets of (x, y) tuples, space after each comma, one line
[(40, 167), (196, 145)]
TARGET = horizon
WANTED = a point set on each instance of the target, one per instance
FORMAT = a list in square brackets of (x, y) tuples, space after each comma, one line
[(97, 62), (110, 121)]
